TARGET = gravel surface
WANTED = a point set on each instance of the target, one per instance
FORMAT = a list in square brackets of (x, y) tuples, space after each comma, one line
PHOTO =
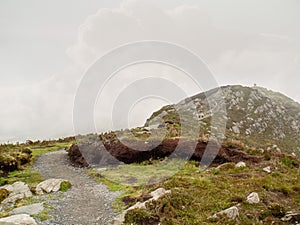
[(86, 203)]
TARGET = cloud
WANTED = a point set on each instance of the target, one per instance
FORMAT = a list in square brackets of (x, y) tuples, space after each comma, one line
[(44, 109)]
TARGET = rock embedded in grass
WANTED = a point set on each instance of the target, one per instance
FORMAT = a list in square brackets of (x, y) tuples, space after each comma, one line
[(253, 198), (33, 209), (18, 190), (240, 165), (267, 169), (18, 220), (158, 193), (292, 217), (50, 185), (231, 213)]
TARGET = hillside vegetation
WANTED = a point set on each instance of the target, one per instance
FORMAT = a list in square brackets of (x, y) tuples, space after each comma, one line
[(16, 160), (262, 134), (259, 117)]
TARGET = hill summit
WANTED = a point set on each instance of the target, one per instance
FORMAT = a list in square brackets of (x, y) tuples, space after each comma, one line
[(259, 117)]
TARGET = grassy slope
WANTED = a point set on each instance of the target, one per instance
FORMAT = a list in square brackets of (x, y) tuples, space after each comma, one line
[(198, 194), (28, 175)]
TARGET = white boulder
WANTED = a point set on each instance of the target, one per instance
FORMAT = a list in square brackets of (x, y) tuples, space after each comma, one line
[(231, 213), (253, 198), (267, 169), (28, 209), (21, 219), (48, 186), (18, 190), (240, 165)]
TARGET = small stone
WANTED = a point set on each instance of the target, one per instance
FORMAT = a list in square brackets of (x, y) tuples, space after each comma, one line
[(21, 219), (292, 216), (28, 209), (267, 169), (240, 165), (159, 193), (236, 130), (253, 198), (231, 213)]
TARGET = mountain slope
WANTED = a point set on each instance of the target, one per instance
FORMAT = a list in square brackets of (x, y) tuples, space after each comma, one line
[(259, 117)]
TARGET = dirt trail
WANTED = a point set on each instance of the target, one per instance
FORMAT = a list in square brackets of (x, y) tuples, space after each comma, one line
[(86, 203)]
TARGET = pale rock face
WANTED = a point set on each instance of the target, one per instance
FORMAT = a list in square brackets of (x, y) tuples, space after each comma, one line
[(33, 209), (267, 169), (21, 219), (119, 220), (253, 198), (292, 216), (240, 165), (159, 193), (48, 186), (231, 213), (19, 190), (236, 130)]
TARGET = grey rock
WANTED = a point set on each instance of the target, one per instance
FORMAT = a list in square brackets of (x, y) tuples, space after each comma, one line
[(236, 130), (292, 216), (28, 209), (267, 169), (21, 219), (231, 213), (19, 190), (240, 165), (48, 186), (253, 198), (118, 220)]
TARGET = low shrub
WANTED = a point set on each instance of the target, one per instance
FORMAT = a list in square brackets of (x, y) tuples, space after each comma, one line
[(65, 186)]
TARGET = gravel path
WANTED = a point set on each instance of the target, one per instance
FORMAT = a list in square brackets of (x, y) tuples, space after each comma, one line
[(86, 203)]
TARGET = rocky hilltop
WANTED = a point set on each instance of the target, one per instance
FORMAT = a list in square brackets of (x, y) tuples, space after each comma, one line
[(259, 117)]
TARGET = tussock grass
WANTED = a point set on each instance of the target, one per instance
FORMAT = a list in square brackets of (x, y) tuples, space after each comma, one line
[(197, 194)]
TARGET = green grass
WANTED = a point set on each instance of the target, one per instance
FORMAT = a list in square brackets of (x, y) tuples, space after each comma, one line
[(40, 150), (27, 174), (44, 215), (139, 174), (65, 186), (197, 194)]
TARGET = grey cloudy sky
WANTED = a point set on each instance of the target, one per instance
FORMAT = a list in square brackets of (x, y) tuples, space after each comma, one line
[(46, 46)]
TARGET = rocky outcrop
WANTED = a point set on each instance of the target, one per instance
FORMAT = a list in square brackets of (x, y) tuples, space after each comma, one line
[(48, 186), (231, 213), (292, 217), (33, 209), (119, 220), (21, 219), (251, 112), (18, 190)]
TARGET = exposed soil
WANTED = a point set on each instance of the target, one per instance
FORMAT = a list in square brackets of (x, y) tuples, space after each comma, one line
[(109, 150), (86, 203)]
